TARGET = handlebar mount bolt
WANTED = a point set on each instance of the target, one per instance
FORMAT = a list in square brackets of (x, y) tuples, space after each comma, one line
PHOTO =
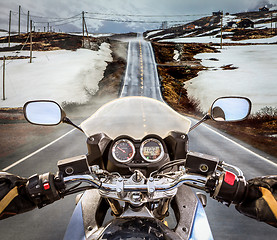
[(136, 197), (184, 229)]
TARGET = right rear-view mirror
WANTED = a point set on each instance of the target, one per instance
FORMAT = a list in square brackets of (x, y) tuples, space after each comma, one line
[(230, 109)]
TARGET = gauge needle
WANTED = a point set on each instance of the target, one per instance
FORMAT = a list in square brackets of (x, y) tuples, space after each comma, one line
[(121, 149)]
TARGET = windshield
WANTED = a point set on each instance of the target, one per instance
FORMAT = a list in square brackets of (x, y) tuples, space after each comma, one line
[(135, 117)]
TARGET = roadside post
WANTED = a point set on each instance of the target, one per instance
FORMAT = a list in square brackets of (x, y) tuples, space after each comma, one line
[(10, 20), (19, 10), (83, 27), (31, 41), (4, 70), (28, 20), (221, 14)]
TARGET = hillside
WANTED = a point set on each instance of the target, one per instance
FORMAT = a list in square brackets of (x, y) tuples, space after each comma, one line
[(235, 27)]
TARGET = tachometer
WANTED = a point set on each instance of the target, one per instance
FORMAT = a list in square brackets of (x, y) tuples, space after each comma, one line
[(151, 150), (123, 150)]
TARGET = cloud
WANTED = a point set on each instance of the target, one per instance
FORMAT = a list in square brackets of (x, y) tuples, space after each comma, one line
[(118, 10)]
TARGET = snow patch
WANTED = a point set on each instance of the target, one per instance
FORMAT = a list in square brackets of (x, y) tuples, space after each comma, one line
[(4, 45), (63, 76), (213, 39), (255, 77), (162, 36), (176, 55), (152, 33)]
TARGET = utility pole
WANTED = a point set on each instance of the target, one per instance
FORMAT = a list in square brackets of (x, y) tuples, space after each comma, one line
[(4, 69), (19, 19), (83, 23), (271, 25), (28, 20), (221, 14), (31, 41), (10, 21), (44, 29), (47, 27)]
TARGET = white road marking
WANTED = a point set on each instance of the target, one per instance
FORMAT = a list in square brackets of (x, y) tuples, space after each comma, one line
[(239, 145), (49, 144), (37, 151)]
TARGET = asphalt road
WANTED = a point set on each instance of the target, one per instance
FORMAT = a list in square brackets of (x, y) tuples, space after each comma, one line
[(141, 77), (50, 222)]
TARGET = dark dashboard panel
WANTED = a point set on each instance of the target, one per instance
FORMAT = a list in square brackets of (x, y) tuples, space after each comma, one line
[(146, 154)]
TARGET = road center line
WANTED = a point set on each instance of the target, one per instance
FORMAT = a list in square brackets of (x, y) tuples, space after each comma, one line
[(239, 145), (37, 151)]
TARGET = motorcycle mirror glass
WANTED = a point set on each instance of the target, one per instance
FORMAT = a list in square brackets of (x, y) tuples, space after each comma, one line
[(230, 109), (43, 112)]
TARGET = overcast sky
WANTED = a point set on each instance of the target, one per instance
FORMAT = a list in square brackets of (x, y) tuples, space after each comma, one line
[(117, 11)]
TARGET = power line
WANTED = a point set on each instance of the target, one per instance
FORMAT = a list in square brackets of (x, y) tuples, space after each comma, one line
[(61, 24), (135, 21), (43, 17), (62, 19), (144, 15)]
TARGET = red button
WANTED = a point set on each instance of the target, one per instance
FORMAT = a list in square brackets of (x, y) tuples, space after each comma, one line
[(46, 186), (230, 178)]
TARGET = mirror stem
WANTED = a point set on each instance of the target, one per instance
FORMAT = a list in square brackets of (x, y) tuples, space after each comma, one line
[(68, 121), (205, 118)]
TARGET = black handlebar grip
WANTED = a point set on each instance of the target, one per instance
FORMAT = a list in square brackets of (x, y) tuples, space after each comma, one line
[(230, 189), (42, 189)]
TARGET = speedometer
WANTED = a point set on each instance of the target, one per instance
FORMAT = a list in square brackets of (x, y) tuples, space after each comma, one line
[(151, 150), (123, 150)]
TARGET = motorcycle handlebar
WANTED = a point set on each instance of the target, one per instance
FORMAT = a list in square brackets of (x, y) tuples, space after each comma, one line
[(149, 187), (227, 187)]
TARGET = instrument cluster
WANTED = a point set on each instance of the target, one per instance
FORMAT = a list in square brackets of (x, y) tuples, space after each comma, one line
[(151, 149)]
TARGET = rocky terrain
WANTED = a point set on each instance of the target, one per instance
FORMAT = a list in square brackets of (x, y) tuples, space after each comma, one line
[(176, 65), (264, 26)]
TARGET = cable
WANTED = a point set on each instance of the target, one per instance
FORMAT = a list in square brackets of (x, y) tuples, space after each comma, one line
[(43, 17), (168, 165), (75, 20), (135, 21), (143, 15), (61, 19), (67, 22)]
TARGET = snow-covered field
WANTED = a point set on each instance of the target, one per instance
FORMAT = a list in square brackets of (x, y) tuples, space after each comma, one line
[(63, 76), (255, 77), (214, 39), (2, 45)]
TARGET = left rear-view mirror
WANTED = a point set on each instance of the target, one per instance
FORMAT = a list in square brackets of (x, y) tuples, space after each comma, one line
[(43, 112), (230, 109)]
